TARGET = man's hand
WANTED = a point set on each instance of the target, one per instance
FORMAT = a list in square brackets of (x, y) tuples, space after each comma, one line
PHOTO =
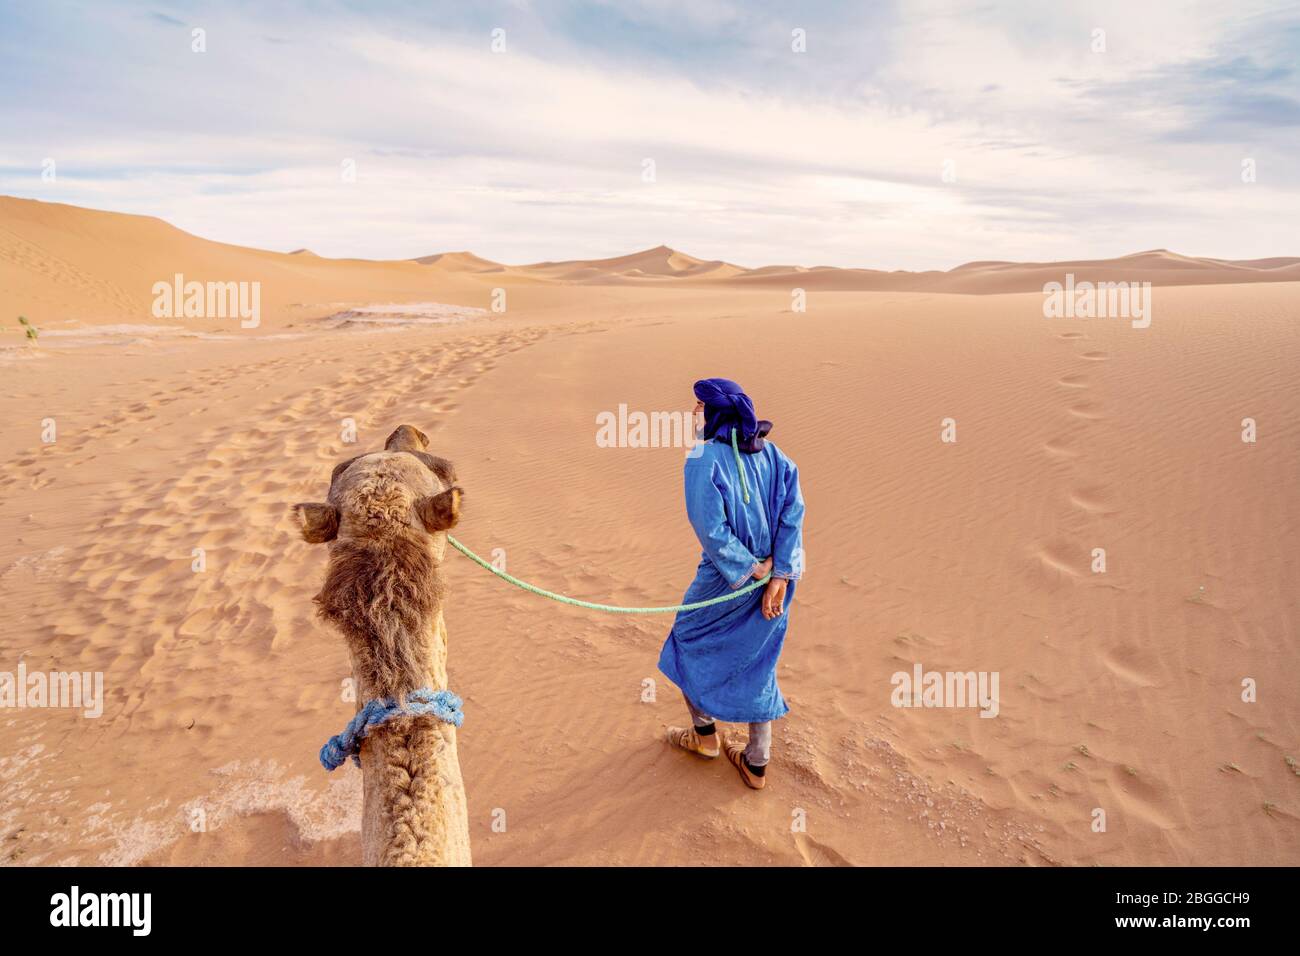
[(774, 598), (763, 570)]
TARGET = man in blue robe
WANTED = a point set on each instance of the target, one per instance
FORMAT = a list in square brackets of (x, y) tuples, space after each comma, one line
[(743, 500)]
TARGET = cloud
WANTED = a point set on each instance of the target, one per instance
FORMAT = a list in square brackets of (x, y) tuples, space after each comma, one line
[(833, 156)]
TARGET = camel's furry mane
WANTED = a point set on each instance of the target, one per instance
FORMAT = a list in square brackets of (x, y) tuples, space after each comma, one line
[(384, 595), (383, 589)]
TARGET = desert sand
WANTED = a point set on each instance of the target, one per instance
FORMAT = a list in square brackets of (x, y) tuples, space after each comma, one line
[(1120, 690)]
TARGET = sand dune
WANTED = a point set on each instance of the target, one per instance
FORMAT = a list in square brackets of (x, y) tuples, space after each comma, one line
[(61, 264), (66, 266), (461, 262), (1159, 267), (1120, 690), (661, 262)]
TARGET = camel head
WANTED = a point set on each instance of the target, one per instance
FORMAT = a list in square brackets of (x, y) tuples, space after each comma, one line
[(385, 520), (383, 494)]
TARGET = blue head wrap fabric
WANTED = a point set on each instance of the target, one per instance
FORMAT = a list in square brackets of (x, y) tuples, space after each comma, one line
[(726, 406)]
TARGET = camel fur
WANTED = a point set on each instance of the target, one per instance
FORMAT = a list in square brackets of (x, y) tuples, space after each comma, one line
[(385, 520)]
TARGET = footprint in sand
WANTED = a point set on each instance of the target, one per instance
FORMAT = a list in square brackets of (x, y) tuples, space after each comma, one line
[(1129, 663), (1073, 381), (1060, 448), (817, 854), (1092, 499), (1094, 356), (1070, 335), (1143, 800), (1090, 411), (1052, 564)]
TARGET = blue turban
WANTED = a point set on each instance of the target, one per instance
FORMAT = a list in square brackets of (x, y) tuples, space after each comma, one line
[(726, 406)]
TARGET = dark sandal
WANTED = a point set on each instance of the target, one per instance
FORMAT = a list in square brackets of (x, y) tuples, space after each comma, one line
[(687, 739), (736, 754)]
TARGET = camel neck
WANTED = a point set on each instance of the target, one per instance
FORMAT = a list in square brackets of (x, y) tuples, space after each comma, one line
[(415, 811)]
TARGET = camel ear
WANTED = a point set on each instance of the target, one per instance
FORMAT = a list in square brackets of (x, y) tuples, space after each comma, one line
[(439, 512), (441, 467), (407, 438), (342, 467), (319, 523)]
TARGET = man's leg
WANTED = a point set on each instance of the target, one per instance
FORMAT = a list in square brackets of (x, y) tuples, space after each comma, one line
[(701, 737), (701, 720), (759, 750), (751, 760)]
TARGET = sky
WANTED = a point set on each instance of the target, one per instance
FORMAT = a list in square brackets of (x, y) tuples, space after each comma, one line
[(891, 135)]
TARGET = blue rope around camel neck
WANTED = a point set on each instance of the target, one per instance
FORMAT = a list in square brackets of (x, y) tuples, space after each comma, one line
[(442, 704)]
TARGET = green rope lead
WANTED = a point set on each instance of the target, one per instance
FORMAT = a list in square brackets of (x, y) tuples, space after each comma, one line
[(603, 607), (735, 450)]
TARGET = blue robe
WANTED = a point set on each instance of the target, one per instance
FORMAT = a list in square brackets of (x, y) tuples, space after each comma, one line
[(724, 657)]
